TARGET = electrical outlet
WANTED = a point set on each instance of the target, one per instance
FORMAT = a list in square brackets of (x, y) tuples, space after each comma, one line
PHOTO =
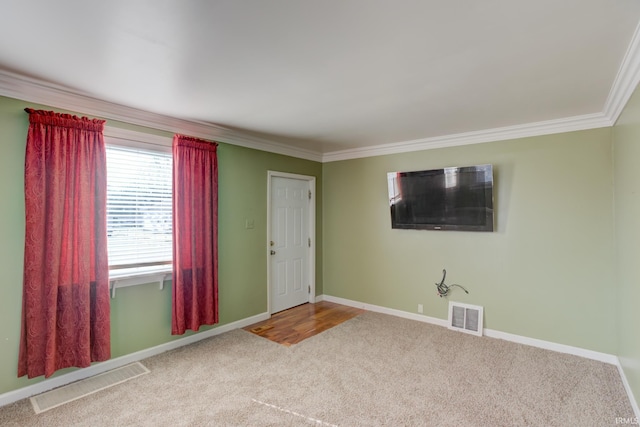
[(420, 308)]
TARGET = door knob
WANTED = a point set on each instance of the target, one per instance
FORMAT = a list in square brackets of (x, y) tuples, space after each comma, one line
[(273, 252)]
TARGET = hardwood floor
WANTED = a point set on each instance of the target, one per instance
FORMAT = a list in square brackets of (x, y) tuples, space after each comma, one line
[(298, 323)]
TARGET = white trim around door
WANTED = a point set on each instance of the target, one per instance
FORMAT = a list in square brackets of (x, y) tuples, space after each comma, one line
[(312, 231)]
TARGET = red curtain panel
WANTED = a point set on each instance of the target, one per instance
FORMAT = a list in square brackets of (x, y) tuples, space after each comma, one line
[(65, 305), (195, 234)]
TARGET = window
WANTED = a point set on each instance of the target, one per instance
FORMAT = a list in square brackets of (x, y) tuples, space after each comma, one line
[(139, 211)]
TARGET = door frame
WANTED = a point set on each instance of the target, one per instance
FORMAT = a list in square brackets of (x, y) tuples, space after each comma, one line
[(311, 180)]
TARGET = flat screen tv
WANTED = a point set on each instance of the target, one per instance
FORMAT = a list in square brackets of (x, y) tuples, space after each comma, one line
[(458, 198)]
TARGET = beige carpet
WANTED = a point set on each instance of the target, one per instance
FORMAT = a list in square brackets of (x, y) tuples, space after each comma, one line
[(373, 370)]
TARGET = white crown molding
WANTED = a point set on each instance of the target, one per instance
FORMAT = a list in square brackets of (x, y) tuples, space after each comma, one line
[(588, 121), (132, 136), (626, 80), (31, 90), (623, 87)]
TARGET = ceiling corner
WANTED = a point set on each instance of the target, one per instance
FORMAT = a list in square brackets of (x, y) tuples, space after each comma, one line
[(626, 80)]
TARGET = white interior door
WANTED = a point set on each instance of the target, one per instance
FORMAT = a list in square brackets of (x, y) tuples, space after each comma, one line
[(290, 243)]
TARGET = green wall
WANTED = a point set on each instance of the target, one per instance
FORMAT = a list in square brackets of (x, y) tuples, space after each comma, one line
[(141, 315), (626, 151), (546, 272), (555, 269)]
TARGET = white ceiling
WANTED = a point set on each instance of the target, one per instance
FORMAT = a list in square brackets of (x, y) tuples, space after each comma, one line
[(332, 76)]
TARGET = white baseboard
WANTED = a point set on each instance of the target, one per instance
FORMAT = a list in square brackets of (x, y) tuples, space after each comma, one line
[(98, 368), (385, 310), (547, 345), (627, 387)]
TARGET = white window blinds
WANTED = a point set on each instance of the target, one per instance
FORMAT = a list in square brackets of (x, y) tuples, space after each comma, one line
[(139, 213)]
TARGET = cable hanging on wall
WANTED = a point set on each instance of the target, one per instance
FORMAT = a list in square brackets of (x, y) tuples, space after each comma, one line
[(443, 289)]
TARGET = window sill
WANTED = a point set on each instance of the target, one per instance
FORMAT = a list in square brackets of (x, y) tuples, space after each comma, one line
[(125, 279)]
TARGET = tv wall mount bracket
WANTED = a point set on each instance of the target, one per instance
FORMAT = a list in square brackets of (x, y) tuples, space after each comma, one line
[(443, 290)]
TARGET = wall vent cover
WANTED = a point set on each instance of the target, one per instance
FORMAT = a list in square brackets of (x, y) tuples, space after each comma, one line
[(466, 318), (68, 393)]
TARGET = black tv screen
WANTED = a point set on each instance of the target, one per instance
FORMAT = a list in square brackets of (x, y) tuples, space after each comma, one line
[(458, 198)]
